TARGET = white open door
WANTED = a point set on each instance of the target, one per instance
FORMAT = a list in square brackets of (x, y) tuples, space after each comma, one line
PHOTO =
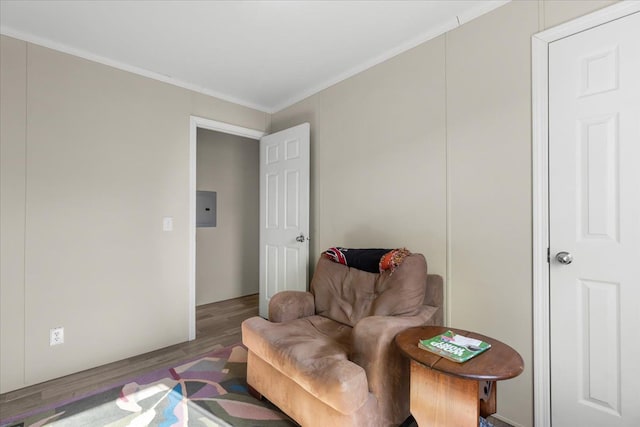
[(594, 225), (284, 213)]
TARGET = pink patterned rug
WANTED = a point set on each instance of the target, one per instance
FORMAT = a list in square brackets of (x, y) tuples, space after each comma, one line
[(210, 391)]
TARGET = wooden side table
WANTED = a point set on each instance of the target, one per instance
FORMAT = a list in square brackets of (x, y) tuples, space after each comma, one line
[(446, 393)]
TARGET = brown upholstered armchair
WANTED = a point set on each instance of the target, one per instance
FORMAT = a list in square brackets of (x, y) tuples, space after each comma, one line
[(327, 357)]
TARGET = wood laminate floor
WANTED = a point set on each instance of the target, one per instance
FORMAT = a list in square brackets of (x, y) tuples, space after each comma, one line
[(217, 326)]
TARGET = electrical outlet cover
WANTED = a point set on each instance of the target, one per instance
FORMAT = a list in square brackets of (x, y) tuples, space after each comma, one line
[(56, 336)]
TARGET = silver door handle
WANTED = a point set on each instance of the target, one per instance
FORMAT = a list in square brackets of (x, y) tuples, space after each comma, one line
[(301, 238), (564, 258)]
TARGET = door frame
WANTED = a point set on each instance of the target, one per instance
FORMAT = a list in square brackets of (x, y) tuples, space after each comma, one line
[(196, 122), (540, 183)]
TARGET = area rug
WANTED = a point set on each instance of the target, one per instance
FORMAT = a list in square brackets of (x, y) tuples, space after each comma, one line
[(210, 391)]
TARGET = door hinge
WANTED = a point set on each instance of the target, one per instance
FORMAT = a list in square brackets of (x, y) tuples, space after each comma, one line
[(548, 256)]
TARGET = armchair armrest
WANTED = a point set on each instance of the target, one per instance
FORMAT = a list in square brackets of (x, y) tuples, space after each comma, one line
[(434, 297), (434, 293), (387, 370), (290, 305)]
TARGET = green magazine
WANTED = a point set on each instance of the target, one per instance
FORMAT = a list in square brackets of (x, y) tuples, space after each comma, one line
[(454, 347)]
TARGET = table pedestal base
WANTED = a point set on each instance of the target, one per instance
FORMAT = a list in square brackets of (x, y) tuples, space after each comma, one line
[(444, 400)]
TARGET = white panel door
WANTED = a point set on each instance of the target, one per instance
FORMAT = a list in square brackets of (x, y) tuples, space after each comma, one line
[(284, 213), (594, 202)]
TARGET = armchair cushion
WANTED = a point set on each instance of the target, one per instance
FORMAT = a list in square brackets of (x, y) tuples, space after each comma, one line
[(313, 352), (347, 295)]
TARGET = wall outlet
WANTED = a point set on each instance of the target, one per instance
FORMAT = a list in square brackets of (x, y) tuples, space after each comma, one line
[(56, 336)]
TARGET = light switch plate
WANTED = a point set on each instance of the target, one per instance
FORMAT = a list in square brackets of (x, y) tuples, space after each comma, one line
[(167, 223)]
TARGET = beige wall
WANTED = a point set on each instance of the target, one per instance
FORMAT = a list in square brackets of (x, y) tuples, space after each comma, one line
[(376, 140), (92, 159), (12, 211), (432, 150), (227, 261)]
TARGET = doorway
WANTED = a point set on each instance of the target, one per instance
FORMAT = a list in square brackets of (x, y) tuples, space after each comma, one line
[(224, 128), (545, 263), (227, 227)]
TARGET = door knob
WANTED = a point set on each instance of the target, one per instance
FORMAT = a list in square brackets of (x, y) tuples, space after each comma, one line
[(564, 258), (300, 238)]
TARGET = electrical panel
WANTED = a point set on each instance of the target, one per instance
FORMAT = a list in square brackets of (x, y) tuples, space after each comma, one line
[(206, 208)]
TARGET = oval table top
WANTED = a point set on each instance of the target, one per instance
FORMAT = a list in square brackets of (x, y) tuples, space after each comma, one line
[(500, 362)]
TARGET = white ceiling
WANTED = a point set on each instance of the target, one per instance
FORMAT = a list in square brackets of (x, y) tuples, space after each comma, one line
[(262, 54)]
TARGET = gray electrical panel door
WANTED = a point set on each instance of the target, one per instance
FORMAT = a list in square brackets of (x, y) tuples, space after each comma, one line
[(206, 208)]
